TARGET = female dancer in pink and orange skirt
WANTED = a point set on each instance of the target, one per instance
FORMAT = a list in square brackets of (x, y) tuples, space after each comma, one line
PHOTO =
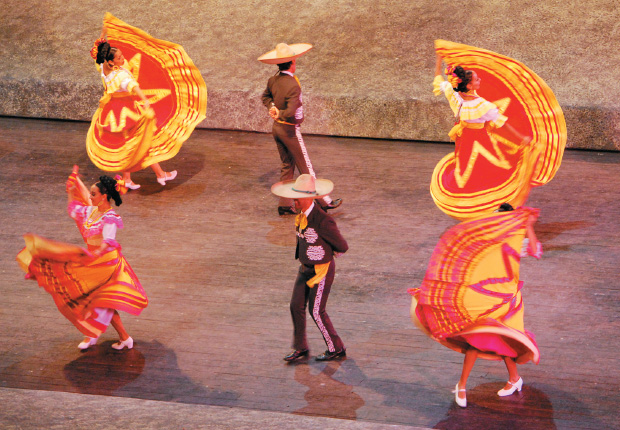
[(470, 299), (89, 286)]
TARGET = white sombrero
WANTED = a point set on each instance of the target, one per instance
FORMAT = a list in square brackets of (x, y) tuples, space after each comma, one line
[(305, 186), (285, 53)]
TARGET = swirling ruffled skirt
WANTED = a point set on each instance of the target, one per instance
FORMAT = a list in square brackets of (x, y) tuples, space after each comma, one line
[(125, 137), (471, 293), (80, 285)]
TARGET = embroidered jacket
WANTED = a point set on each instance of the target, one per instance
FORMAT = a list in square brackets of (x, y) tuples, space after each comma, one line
[(317, 242)]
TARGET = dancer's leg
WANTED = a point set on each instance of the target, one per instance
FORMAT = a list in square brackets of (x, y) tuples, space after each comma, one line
[(158, 170), (470, 358), (118, 326), (513, 372)]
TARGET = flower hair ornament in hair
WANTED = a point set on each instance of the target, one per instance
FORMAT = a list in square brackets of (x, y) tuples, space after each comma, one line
[(452, 77), (120, 185), (95, 48)]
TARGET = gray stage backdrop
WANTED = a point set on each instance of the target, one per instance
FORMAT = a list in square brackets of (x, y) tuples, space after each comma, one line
[(369, 74)]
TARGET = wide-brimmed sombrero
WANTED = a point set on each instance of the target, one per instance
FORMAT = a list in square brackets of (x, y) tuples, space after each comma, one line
[(305, 186), (285, 53)]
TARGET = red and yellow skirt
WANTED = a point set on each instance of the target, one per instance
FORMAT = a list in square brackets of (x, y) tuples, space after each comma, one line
[(487, 168), (479, 176), (125, 137), (79, 283)]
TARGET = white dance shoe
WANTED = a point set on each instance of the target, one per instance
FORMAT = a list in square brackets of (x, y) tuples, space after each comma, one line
[(461, 402), (168, 176), (131, 185), (85, 344), (514, 387), (127, 343)]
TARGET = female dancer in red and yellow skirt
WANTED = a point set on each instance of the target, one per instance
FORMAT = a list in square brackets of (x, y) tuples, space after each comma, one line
[(503, 147), (89, 286), (470, 299), (153, 99)]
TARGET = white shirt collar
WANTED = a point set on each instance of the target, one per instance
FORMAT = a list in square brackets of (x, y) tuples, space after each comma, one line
[(307, 211), (287, 72)]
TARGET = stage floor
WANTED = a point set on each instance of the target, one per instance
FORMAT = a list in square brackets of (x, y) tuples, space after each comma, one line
[(218, 265)]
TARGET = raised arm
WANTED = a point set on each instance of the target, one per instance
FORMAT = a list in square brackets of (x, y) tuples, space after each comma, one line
[(76, 190), (534, 246), (438, 65), (140, 94), (104, 33), (521, 138)]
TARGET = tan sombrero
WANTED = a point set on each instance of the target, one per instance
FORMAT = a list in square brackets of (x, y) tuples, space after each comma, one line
[(305, 186), (285, 53)]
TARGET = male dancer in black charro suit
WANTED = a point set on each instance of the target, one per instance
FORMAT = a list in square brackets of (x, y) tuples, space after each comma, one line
[(318, 241), (283, 99)]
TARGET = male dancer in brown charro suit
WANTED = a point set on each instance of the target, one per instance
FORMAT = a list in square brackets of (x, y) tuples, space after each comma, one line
[(283, 99), (318, 241)]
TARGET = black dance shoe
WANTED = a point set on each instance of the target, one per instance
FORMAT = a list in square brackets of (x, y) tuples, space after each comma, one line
[(333, 205), (297, 354), (286, 210), (327, 356)]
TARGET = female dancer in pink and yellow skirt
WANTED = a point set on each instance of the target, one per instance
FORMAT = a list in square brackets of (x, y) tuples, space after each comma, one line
[(470, 299), (89, 286)]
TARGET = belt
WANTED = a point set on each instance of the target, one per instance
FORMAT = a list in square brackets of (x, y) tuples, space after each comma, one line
[(320, 271), (457, 130), (284, 122)]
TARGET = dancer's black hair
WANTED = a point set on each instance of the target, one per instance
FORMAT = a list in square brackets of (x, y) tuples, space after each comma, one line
[(105, 52), (107, 186), (505, 207), (465, 76)]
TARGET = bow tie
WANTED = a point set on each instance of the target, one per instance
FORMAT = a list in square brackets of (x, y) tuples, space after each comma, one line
[(301, 221)]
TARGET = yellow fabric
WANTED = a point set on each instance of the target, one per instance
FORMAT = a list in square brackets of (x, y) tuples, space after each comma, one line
[(457, 130), (478, 150), (39, 247), (320, 271), (437, 85), (301, 221)]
